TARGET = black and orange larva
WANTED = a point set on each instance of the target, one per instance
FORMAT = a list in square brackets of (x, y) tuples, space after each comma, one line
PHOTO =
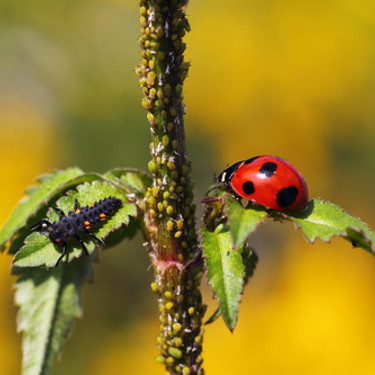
[(77, 222)]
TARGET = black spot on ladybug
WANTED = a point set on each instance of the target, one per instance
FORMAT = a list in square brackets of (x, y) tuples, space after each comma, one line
[(268, 169), (248, 187), (249, 161), (78, 222), (287, 196)]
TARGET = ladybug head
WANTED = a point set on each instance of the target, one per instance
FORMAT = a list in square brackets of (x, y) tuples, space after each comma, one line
[(43, 226), (226, 175)]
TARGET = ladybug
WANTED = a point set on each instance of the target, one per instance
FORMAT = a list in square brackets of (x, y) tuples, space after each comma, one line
[(77, 222), (267, 180)]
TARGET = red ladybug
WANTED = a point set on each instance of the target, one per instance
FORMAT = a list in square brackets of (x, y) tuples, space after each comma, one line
[(269, 181)]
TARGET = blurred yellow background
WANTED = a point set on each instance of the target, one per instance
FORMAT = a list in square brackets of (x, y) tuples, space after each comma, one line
[(290, 78)]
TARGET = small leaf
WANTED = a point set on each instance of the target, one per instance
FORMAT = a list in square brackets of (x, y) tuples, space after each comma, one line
[(134, 180), (49, 301), (250, 260), (242, 221), (324, 220), (225, 270), (38, 250), (49, 186)]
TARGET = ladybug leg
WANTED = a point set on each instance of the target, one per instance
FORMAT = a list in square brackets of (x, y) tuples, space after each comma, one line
[(76, 205), (59, 211), (100, 242), (84, 248), (64, 252)]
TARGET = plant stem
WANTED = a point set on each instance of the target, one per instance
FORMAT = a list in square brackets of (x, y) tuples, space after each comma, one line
[(169, 220)]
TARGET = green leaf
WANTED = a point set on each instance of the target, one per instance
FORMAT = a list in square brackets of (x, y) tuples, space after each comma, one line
[(225, 271), (49, 186), (242, 221), (324, 220), (250, 260), (49, 301), (134, 180), (38, 250)]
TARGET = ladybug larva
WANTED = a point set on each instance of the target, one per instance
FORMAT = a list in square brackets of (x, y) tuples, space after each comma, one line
[(78, 222)]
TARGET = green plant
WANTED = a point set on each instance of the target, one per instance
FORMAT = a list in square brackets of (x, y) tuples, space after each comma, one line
[(160, 204)]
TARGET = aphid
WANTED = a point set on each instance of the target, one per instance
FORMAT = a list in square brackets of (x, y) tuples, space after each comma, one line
[(78, 222), (269, 181)]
